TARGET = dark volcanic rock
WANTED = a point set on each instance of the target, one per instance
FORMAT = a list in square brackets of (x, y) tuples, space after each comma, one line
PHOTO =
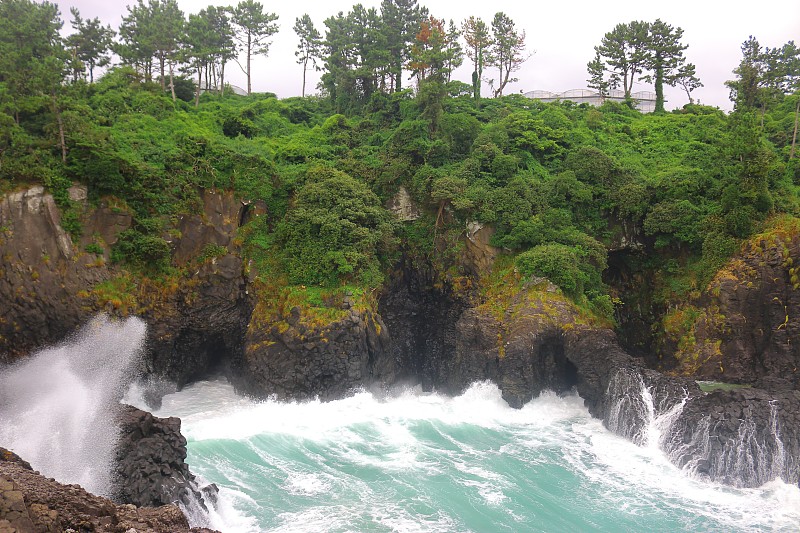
[(200, 329), (421, 315), (743, 437), (537, 340), (41, 274), (150, 461), (293, 360)]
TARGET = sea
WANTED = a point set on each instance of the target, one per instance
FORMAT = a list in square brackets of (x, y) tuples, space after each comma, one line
[(411, 461)]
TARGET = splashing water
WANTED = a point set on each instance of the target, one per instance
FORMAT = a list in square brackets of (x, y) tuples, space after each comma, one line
[(750, 456), (57, 407), (635, 414)]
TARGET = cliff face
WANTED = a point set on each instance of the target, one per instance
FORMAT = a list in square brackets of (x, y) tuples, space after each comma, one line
[(198, 328), (42, 272), (743, 327), (50, 284), (292, 358), (443, 333)]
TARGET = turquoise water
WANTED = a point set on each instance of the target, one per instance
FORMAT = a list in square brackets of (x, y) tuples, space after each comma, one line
[(424, 462)]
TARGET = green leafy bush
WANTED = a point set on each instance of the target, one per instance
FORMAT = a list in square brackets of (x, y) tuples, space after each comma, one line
[(334, 232)]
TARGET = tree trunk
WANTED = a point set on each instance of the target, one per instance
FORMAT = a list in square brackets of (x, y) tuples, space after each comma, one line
[(398, 75), (161, 60), (171, 82), (222, 79), (197, 89), (249, 52), (61, 136), (305, 69), (794, 136), (688, 94), (659, 86)]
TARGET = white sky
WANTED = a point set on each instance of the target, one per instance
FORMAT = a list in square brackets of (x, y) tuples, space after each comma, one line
[(563, 35)]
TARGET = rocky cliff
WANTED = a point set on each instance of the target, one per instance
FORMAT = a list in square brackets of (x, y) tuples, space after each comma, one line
[(31, 503), (292, 356), (742, 328), (42, 272)]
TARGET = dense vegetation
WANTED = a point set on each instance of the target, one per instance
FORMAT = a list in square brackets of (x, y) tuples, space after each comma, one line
[(557, 181)]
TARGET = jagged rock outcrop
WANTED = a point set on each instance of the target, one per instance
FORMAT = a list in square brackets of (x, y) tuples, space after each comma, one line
[(31, 503), (534, 339), (150, 463), (293, 358), (743, 327)]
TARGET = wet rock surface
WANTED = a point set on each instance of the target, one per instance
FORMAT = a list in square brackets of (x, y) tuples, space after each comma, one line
[(743, 437), (539, 342)]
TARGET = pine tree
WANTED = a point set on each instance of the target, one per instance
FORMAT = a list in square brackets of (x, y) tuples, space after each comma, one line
[(90, 44), (254, 28), (401, 21), (597, 76), (136, 46), (508, 50), (32, 57), (664, 57), (624, 52), (478, 39), (309, 49)]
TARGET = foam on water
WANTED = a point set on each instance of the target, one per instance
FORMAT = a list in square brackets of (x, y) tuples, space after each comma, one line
[(57, 406), (424, 462)]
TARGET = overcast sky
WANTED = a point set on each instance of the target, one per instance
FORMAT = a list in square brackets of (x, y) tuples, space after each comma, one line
[(562, 34)]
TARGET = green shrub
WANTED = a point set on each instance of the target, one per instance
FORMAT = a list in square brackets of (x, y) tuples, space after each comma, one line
[(334, 231), (558, 263), (148, 253)]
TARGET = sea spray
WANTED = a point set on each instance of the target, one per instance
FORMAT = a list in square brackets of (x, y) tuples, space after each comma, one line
[(57, 407)]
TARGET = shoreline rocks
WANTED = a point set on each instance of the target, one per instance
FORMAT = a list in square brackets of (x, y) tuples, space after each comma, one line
[(32, 503)]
